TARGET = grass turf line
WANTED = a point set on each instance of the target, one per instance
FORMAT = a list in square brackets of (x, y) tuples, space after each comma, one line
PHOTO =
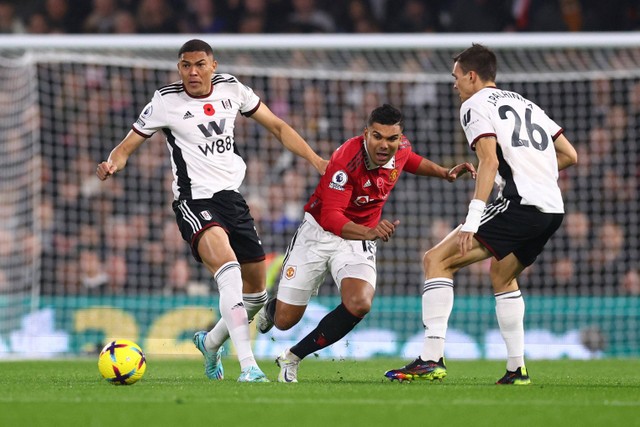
[(330, 393)]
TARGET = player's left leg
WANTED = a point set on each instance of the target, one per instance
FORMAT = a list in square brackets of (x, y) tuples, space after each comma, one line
[(510, 309), (357, 297), (254, 295)]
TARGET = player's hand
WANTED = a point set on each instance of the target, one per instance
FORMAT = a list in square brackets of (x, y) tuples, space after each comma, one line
[(105, 170), (384, 230), (465, 242), (459, 170)]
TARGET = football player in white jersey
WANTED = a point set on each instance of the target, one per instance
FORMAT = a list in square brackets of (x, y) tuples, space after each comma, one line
[(197, 116), (520, 149)]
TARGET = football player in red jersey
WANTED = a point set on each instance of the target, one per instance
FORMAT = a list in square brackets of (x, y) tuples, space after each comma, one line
[(338, 235)]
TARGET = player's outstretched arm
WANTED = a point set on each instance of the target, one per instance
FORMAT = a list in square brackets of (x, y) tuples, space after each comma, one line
[(118, 158), (565, 153), (458, 170), (288, 137), (429, 168)]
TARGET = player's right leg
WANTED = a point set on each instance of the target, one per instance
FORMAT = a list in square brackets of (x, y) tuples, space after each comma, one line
[(440, 264), (216, 253)]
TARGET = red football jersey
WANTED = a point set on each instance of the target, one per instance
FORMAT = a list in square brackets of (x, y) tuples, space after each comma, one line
[(355, 189)]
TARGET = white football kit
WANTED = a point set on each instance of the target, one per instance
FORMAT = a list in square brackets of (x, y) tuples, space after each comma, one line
[(528, 167), (200, 134)]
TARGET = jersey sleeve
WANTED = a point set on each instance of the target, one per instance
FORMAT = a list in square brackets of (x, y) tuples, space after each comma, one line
[(338, 187), (554, 129), (413, 162), (475, 122), (249, 101), (152, 118)]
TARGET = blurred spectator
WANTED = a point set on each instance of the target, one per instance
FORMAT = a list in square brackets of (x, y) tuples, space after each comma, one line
[(631, 282), (156, 16), (124, 22), (415, 16), (306, 17), (544, 15), (479, 16), (63, 17), (102, 17), (37, 24), (203, 16), (180, 281), (93, 277), (357, 18), (9, 21)]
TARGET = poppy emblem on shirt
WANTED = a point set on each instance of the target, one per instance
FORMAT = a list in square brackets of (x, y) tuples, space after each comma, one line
[(290, 272), (380, 182), (393, 175), (209, 110)]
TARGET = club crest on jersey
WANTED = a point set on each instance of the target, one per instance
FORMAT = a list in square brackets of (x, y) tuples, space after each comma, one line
[(146, 113), (206, 215), (290, 272), (338, 181), (226, 104), (393, 175)]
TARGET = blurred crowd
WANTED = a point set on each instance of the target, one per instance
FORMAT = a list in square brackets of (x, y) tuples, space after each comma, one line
[(120, 236), (315, 16)]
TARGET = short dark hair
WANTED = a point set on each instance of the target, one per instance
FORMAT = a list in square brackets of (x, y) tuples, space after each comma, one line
[(480, 59), (386, 115), (195, 45)]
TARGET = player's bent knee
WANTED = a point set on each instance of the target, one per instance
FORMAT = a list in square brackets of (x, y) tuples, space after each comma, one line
[(358, 306), (284, 319), (431, 259)]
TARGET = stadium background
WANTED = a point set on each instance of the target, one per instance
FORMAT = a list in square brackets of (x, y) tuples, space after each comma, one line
[(82, 261)]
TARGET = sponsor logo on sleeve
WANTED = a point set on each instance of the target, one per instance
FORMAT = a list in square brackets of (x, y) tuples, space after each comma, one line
[(466, 118), (146, 113), (338, 181)]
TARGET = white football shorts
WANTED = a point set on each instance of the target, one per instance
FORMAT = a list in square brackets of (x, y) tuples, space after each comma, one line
[(314, 252)]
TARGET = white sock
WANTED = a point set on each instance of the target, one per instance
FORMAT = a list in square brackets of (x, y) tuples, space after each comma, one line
[(220, 333), (232, 311), (510, 314), (437, 303)]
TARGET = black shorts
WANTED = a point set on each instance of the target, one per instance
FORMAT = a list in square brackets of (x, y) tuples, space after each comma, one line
[(509, 227), (226, 209)]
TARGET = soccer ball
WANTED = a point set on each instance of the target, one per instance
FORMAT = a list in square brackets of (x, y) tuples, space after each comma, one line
[(122, 362)]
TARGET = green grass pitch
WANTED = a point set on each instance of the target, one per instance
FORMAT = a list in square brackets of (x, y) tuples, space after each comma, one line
[(330, 393)]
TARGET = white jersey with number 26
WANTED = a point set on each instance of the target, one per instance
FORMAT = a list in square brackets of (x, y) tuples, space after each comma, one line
[(528, 167), (200, 134)]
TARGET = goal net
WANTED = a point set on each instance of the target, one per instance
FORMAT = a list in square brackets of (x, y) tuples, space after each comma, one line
[(82, 261)]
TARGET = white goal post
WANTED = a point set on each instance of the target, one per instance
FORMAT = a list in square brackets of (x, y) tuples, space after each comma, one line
[(82, 260)]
